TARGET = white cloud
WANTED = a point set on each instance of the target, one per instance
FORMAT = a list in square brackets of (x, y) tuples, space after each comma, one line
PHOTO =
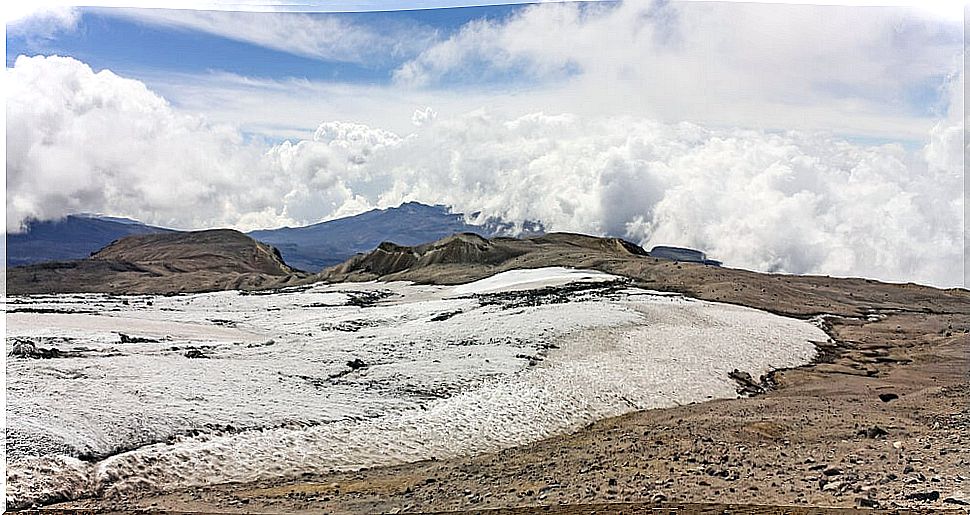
[(423, 117), (39, 21), (794, 202), (730, 64), (594, 141), (84, 141), (332, 37)]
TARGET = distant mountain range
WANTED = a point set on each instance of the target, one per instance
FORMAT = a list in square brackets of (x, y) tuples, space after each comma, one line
[(325, 244), (309, 248)]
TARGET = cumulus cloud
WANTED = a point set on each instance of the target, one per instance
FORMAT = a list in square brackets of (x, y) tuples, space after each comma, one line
[(84, 141), (791, 201), (423, 116)]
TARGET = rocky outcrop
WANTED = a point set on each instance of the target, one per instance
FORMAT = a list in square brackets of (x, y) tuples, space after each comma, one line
[(466, 257)]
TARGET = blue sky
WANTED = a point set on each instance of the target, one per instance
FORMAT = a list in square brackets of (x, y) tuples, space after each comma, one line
[(130, 47)]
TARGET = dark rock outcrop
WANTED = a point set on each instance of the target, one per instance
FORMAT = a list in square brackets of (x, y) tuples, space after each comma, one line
[(466, 257)]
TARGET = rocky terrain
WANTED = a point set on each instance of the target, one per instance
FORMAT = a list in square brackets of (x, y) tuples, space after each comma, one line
[(880, 420), (174, 262)]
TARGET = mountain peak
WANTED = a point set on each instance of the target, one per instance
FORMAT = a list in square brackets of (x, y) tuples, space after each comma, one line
[(324, 244)]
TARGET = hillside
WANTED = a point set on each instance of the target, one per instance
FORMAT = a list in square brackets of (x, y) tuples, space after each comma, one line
[(463, 258), (173, 262), (74, 237)]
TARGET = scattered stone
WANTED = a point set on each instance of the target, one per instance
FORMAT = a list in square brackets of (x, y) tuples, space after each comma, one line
[(886, 397), (195, 354), (124, 338), (356, 364), (873, 432), (832, 486), (865, 502), (832, 471), (954, 500), (746, 385), (440, 317), (930, 496), (23, 348)]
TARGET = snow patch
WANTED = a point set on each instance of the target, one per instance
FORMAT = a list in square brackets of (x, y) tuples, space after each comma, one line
[(532, 278)]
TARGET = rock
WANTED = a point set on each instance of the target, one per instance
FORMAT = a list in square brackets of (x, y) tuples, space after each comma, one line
[(873, 432), (886, 397), (832, 486), (954, 500), (832, 471), (865, 502), (124, 338), (930, 496), (356, 364), (444, 316), (746, 385), (23, 348), (907, 469), (195, 354)]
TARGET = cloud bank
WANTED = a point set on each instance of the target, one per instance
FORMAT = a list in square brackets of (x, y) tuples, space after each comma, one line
[(84, 141), (800, 202), (780, 66)]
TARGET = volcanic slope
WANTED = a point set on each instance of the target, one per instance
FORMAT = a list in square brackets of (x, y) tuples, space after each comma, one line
[(178, 262)]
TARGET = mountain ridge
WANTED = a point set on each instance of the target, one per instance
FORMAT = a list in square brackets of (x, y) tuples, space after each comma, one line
[(323, 244), (162, 263), (74, 237), (310, 247)]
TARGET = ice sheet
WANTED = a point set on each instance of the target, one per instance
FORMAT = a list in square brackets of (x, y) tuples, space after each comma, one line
[(277, 394)]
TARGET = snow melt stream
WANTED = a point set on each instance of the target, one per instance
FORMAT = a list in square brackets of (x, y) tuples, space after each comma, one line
[(347, 376)]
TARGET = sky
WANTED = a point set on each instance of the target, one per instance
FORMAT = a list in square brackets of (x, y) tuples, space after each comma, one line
[(791, 138)]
